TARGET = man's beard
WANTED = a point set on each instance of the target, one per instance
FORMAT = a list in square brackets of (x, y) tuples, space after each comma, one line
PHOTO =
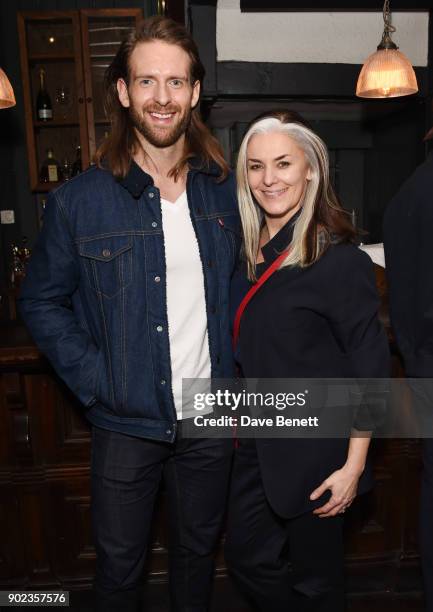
[(160, 137)]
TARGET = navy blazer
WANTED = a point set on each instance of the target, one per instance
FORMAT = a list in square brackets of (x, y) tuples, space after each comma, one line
[(315, 322)]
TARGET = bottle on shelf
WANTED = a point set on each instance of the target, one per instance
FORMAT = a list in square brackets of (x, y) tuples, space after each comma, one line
[(44, 108), (41, 210), (77, 166), (51, 171), (66, 169), (20, 257)]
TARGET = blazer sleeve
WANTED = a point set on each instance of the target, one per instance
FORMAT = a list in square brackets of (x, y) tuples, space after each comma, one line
[(46, 307), (353, 304)]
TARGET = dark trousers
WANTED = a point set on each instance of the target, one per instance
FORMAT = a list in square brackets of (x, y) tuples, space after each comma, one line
[(126, 474), (259, 545)]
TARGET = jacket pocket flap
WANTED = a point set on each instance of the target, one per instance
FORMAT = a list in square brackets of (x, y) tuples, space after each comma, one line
[(230, 223), (104, 248)]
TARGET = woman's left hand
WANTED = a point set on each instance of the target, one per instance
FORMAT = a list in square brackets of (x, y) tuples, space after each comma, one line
[(343, 485)]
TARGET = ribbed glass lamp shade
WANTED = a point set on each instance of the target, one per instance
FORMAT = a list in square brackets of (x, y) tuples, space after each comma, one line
[(7, 97), (386, 74)]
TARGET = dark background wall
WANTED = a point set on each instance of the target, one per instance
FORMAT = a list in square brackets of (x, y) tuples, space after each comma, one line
[(374, 144)]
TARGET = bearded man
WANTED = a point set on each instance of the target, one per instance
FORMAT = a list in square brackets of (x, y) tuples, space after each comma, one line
[(127, 293)]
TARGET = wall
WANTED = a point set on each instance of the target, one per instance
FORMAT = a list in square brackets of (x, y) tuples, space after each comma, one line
[(309, 62), (324, 37)]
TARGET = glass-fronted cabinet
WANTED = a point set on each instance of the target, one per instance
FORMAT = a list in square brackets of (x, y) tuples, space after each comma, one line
[(63, 58), (102, 33)]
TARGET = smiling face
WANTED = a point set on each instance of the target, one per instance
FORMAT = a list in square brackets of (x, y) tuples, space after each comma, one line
[(160, 96), (278, 172)]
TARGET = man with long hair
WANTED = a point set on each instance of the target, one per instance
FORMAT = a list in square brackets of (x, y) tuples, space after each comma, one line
[(127, 294)]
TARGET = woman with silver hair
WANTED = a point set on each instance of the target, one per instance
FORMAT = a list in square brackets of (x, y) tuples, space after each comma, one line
[(315, 316)]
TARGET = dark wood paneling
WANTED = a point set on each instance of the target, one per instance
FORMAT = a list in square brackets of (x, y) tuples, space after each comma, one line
[(202, 3), (14, 172), (297, 79), (122, 4), (397, 150), (374, 144), (332, 5), (202, 20), (429, 105), (176, 10), (13, 568)]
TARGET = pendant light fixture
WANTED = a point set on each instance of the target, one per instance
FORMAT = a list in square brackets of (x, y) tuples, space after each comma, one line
[(7, 97), (387, 73)]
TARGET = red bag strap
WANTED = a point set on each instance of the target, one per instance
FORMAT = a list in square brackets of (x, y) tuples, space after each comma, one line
[(253, 290)]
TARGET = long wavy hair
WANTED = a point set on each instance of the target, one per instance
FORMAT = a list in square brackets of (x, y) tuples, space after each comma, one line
[(322, 219), (121, 144)]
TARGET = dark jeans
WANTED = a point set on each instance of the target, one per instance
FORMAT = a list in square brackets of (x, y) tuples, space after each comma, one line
[(126, 474), (259, 545)]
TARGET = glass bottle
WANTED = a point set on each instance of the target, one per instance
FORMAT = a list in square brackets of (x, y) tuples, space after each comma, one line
[(51, 171), (66, 169), (44, 108), (77, 166)]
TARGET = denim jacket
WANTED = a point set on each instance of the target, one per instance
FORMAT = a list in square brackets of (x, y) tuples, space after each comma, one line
[(94, 297)]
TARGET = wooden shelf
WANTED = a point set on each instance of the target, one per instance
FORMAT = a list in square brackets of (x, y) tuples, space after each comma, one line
[(55, 123), (47, 57), (47, 187), (108, 56)]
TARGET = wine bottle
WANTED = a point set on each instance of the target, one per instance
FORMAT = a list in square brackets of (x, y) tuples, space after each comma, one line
[(51, 171), (77, 166), (44, 109)]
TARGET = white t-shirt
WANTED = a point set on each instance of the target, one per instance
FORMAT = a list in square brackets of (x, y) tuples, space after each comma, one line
[(186, 305)]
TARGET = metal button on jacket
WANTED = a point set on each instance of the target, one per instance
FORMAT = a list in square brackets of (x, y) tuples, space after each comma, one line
[(106, 252)]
